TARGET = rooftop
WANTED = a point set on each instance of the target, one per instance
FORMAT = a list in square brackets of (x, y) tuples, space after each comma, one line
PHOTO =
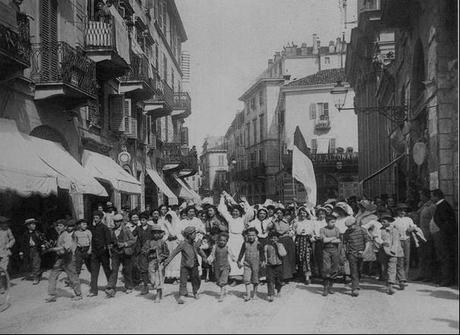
[(329, 76)]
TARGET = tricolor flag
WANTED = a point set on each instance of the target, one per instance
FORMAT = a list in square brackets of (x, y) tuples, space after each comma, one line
[(302, 167)]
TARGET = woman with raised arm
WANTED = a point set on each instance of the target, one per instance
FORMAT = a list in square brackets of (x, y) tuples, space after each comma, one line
[(237, 218)]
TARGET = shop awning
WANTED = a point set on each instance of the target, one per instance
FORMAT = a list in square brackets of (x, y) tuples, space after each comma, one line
[(106, 169), (163, 187), (185, 192), (70, 174), (21, 169)]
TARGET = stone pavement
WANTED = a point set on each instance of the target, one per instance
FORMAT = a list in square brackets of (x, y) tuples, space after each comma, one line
[(420, 308)]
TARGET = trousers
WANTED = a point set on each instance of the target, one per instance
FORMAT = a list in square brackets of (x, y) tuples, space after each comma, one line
[(194, 275), (330, 262), (355, 270), (274, 278), (405, 261), (393, 272), (446, 251), (33, 262), (82, 256), (127, 262), (98, 259), (65, 264)]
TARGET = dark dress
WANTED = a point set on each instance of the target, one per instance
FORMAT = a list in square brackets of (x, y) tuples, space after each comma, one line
[(282, 227)]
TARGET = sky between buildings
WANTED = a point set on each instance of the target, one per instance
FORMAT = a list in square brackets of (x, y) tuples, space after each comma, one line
[(230, 42)]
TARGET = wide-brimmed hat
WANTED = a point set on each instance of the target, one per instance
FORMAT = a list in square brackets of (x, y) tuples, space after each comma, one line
[(157, 227), (32, 220), (368, 206)]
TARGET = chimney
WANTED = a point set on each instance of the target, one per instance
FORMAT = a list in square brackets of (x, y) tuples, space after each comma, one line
[(315, 44), (303, 49), (277, 56)]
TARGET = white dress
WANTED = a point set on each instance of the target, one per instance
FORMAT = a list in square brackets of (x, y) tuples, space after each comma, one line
[(236, 239)]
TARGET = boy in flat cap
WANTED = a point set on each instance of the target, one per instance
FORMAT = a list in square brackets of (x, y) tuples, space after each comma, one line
[(274, 252), (156, 252), (65, 262), (189, 250)]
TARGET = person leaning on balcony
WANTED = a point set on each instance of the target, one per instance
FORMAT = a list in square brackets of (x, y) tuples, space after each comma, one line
[(103, 12)]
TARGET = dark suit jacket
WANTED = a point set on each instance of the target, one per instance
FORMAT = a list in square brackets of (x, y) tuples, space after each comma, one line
[(444, 217), (126, 236)]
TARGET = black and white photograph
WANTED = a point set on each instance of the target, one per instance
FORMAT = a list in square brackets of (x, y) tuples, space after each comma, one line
[(229, 166)]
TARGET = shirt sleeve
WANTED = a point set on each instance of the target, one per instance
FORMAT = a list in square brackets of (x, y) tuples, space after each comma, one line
[(174, 253), (222, 208)]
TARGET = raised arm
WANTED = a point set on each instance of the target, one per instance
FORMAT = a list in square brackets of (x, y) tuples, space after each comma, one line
[(222, 208), (174, 253)]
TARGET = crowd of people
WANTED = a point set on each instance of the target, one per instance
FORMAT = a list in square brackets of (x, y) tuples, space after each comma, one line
[(236, 242)]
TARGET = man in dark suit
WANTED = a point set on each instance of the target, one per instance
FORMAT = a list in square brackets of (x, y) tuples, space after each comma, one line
[(445, 236)]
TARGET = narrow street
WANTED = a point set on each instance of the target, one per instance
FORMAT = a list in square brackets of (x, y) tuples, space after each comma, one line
[(421, 308)]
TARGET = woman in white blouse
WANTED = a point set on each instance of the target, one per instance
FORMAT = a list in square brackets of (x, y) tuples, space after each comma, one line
[(237, 218), (304, 229)]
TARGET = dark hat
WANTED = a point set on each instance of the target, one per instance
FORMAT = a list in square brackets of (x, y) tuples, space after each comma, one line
[(31, 220), (144, 215), (386, 217), (262, 209), (270, 207), (188, 231), (4, 219), (98, 213), (80, 221), (61, 221), (70, 223)]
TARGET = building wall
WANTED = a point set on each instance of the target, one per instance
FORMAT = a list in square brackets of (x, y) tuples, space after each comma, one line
[(344, 126)]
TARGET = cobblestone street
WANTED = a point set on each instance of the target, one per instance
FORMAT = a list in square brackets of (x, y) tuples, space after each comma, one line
[(421, 308)]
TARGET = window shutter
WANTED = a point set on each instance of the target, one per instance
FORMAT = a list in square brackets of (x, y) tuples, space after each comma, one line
[(127, 116), (326, 110), (312, 111), (332, 145), (48, 38), (314, 145), (116, 112)]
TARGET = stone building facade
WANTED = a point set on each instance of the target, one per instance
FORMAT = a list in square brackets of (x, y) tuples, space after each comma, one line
[(404, 53)]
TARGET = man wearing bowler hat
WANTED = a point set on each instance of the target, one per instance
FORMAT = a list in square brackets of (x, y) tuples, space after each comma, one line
[(31, 246)]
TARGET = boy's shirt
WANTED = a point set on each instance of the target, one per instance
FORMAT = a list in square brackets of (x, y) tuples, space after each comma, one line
[(255, 255), (189, 254), (66, 241), (83, 238), (221, 256), (327, 232), (391, 236), (355, 238), (156, 250), (272, 253)]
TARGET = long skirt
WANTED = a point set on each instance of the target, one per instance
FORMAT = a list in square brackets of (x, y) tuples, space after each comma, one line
[(173, 268), (235, 241), (304, 251), (289, 259)]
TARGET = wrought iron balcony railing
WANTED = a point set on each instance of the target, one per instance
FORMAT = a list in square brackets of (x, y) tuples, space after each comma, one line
[(16, 44), (182, 100), (59, 63), (139, 69), (323, 124), (172, 154)]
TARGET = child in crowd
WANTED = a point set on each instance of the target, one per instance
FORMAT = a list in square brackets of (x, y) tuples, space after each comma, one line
[(83, 239), (253, 253), (330, 235), (392, 250), (189, 250), (205, 267), (6, 243), (274, 253), (220, 259), (354, 240), (156, 251)]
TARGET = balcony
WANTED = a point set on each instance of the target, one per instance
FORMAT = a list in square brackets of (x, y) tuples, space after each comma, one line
[(162, 102), (174, 159), (182, 104), (63, 74), (107, 44), (322, 124), (137, 84), (14, 46)]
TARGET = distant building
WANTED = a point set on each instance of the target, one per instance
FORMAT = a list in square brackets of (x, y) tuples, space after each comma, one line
[(214, 167), (253, 138)]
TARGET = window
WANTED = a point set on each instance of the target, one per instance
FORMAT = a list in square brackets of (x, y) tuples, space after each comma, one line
[(323, 110), (253, 103), (261, 98), (247, 134), (221, 160), (332, 145), (314, 145), (261, 127), (327, 60), (312, 111), (165, 68), (254, 127)]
